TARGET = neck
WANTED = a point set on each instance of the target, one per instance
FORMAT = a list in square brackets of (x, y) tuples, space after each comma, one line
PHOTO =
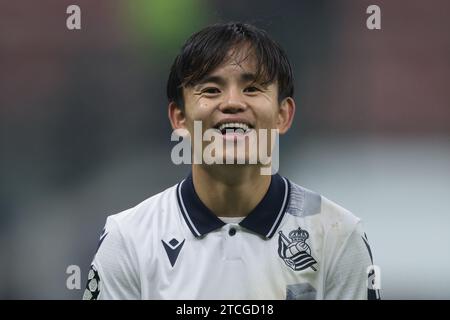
[(230, 191)]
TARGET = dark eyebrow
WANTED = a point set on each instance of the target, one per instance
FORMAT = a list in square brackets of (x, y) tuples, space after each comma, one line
[(214, 79), (245, 77), (248, 77), (251, 77)]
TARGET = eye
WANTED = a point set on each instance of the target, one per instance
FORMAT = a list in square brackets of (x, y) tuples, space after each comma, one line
[(251, 89), (211, 90)]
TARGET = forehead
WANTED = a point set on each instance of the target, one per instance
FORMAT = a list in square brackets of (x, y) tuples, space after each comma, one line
[(241, 58), (241, 64)]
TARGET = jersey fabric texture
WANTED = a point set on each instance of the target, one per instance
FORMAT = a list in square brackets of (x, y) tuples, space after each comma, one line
[(296, 244)]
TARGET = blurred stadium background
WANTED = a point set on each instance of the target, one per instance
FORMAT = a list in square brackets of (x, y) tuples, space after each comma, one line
[(84, 131)]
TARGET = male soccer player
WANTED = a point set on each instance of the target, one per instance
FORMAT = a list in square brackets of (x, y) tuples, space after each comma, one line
[(228, 231)]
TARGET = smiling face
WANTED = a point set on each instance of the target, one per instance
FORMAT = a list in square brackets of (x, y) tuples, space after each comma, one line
[(230, 100)]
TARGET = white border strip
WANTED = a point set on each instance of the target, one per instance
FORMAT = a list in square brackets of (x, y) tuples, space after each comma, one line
[(286, 189), (185, 213)]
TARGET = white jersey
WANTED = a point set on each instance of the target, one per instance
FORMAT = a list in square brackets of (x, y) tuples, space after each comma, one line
[(295, 244)]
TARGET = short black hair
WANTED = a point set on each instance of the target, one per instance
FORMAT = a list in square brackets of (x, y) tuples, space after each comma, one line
[(206, 49)]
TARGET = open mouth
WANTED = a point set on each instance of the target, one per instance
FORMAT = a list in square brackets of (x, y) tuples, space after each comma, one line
[(234, 127)]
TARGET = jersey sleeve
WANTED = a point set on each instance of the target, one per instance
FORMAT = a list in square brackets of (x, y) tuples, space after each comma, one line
[(352, 275), (113, 274)]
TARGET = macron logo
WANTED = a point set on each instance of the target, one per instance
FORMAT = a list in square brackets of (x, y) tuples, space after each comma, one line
[(173, 249)]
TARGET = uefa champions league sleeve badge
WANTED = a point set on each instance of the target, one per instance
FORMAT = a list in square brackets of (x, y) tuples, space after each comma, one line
[(93, 285), (294, 251)]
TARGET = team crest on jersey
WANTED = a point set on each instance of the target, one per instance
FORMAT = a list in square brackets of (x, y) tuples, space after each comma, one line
[(294, 251)]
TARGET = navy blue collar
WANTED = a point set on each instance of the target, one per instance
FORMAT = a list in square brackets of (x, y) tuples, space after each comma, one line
[(264, 219)]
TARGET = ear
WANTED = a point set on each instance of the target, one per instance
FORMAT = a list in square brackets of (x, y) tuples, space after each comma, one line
[(176, 116), (286, 114)]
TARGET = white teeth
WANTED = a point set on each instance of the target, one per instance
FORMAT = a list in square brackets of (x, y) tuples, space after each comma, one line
[(234, 125)]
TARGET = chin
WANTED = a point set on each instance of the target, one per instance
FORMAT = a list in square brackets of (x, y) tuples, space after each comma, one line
[(240, 157)]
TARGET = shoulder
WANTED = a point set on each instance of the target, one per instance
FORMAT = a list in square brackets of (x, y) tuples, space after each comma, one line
[(145, 215), (321, 212), (333, 228)]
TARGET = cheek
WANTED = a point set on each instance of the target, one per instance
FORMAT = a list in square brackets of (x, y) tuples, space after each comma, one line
[(201, 111), (203, 106), (269, 117)]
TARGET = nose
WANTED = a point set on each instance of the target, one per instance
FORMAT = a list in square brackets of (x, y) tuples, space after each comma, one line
[(233, 102)]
